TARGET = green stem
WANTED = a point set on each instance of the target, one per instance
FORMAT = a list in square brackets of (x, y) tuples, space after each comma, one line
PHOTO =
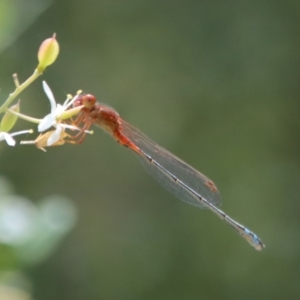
[(24, 117), (19, 89)]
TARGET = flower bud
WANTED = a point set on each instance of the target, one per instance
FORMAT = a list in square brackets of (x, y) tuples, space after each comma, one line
[(9, 119), (48, 53), (67, 114)]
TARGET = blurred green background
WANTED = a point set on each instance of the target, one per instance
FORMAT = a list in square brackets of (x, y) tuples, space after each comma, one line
[(216, 83)]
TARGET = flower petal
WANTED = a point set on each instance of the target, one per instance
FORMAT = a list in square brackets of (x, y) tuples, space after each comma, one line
[(55, 136), (2, 136), (50, 96), (59, 110), (46, 123), (9, 140)]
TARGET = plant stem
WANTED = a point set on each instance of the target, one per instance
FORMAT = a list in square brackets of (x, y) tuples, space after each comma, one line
[(19, 89)]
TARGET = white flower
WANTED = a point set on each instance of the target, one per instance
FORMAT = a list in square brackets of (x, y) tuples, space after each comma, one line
[(8, 136), (57, 114)]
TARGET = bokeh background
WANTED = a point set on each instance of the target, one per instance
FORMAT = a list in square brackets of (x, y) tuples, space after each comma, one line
[(216, 83)]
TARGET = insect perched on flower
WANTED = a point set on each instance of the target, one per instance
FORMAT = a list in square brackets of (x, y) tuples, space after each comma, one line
[(59, 113)]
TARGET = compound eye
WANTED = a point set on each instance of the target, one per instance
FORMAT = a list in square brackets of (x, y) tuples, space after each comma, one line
[(87, 100)]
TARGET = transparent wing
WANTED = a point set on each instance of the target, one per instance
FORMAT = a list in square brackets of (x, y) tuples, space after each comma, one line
[(176, 169), (183, 181)]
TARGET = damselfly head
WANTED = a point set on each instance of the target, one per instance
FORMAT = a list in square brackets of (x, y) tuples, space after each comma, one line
[(87, 100)]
